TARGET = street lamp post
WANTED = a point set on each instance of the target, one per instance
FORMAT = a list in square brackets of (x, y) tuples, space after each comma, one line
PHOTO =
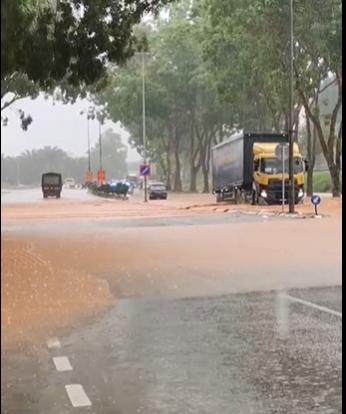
[(144, 131), (101, 175), (290, 118), (143, 54), (100, 144), (89, 160), (18, 173)]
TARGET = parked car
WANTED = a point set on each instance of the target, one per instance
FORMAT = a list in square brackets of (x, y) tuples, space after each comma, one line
[(157, 191)]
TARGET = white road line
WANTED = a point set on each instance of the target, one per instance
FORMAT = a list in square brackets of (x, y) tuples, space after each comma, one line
[(53, 343), (313, 305), (77, 395), (62, 363)]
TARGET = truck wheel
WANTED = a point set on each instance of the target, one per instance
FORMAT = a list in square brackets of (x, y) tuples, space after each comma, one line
[(254, 198), (45, 196), (58, 196), (237, 196)]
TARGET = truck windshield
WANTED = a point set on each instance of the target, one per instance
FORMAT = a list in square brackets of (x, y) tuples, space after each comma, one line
[(158, 187), (274, 166), (51, 179)]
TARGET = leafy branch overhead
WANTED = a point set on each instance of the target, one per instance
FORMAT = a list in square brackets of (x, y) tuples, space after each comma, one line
[(63, 47), (73, 41)]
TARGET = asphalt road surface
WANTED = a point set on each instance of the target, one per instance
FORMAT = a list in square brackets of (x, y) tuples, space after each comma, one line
[(205, 351), (244, 353)]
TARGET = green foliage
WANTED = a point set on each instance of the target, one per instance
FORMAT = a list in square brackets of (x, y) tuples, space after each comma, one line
[(114, 155), (182, 109), (75, 40), (246, 47), (322, 182), (214, 65), (246, 60), (65, 51), (221, 65)]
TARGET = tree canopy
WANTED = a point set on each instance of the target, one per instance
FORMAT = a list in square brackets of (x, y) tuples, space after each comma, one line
[(210, 67), (219, 65), (73, 40)]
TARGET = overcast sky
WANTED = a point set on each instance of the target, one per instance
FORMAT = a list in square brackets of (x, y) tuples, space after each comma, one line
[(53, 125)]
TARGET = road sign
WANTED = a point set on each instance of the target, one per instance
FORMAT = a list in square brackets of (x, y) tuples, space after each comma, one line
[(315, 200), (101, 177), (144, 170), (89, 177), (281, 150)]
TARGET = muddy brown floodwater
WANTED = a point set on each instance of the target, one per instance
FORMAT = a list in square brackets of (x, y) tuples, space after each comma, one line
[(51, 280)]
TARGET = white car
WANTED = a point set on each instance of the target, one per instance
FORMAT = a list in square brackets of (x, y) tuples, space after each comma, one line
[(70, 183)]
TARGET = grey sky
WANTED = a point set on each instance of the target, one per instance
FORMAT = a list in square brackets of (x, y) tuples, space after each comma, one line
[(54, 125)]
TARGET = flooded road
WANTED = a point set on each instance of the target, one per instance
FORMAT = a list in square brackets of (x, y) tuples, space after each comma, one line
[(208, 355), (110, 306), (34, 195)]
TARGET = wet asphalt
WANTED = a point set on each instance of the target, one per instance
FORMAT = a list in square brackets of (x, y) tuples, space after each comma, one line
[(223, 354), (240, 353)]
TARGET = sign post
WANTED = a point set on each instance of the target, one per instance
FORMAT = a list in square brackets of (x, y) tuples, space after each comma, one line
[(283, 180), (144, 170), (281, 152), (315, 200)]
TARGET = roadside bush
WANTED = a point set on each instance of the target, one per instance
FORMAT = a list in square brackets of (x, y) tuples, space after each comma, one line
[(322, 182)]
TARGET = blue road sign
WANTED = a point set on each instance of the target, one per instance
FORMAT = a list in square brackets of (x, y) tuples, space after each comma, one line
[(315, 199), (144, 170)]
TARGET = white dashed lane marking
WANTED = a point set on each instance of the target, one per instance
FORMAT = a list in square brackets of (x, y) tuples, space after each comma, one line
[(313, 305), (62, 363), (77, 395), (53, 343)]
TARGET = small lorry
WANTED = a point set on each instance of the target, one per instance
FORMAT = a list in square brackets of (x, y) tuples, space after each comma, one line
[(51, 184)]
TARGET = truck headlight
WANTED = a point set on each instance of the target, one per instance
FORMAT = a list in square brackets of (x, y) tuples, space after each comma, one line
[(263, 193), (300, 192)]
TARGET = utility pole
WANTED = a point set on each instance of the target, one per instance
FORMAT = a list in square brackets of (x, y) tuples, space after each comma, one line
[(2, 169), (18, 173), (89, 161), (100, 144), (145, 160), (291, 196), (101, 175), (144, 131), (89, 175)]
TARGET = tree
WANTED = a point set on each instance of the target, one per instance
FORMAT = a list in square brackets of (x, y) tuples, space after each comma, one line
[(114, 154), (247, 70), (317, 67), (77, 39), (67, 47), (15, 87), (183, 114), (246, 45)]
